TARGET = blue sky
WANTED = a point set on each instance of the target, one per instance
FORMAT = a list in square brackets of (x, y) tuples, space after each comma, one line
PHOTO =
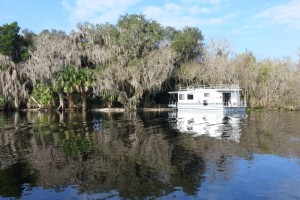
[(268, 28)]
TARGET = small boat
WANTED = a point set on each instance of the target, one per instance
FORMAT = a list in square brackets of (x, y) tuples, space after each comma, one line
[(212, 97)]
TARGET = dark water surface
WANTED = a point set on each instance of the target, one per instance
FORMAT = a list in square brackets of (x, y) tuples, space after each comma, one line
[(149, 155)]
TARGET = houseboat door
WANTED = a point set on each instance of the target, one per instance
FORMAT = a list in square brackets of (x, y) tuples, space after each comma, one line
[(226, 98)]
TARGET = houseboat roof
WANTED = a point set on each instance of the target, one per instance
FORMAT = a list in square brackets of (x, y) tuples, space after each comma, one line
[(218, 87)]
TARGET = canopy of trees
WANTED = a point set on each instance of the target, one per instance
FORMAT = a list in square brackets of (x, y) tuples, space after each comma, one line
[(12, 44), (131, 64)]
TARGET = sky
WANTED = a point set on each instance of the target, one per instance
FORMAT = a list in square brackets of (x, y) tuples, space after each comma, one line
[(268, 28)]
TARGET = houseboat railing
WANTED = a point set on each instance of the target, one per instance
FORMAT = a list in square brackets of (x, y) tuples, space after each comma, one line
[(223, 104), (217, 86), (238, 104)]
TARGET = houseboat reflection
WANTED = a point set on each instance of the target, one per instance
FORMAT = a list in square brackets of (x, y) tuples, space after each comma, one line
[(217, 124)]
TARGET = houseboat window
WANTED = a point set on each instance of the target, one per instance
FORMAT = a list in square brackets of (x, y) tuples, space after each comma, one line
[(205, 103), (181, 96), (190, 97), (206, 94)]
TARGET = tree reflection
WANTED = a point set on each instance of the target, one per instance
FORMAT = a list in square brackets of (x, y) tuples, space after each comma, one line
[(189, 173), (14, 179), (135, 154)]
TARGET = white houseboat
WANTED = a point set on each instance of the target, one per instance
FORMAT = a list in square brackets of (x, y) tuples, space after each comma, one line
[(212, 97)]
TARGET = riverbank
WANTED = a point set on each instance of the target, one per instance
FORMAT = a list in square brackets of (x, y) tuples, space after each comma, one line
[(99, 109), (138, 109)]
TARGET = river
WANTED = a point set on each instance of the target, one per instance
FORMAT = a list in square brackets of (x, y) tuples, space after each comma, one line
[(149, 155)]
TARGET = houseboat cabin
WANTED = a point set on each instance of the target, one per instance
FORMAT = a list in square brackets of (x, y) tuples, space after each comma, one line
[(213, 97)]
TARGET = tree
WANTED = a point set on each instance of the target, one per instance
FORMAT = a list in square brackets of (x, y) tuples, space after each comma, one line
[(10, 41), (141, 62), (84, 81), (213, 67), (43, 96), (248, 75), (188, 44), (65, 83), (27, 41), (131, 61), (52, 50), (14, 85), (138, 36), (130, 83), (70, 81)]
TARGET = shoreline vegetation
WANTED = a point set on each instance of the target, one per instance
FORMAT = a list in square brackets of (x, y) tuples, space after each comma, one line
[(122, 110), (132, 65), (116, 110)]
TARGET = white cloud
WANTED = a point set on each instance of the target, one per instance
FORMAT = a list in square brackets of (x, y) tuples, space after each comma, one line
[(196, 9), (97, 11), (179, 16), (283, 14), (215, 2)]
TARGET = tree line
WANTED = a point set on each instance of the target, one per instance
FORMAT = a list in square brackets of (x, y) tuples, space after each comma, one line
[(131, 64)]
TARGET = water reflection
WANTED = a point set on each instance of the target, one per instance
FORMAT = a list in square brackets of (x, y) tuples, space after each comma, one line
[(13, 179), (217, 124), (145, 155)]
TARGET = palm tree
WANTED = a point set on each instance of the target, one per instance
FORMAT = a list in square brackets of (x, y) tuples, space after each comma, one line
[(84, 81), (72, 81), (65, 84)]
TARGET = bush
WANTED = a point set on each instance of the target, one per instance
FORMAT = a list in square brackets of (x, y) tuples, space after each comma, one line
[(3, 102), (44, 96)]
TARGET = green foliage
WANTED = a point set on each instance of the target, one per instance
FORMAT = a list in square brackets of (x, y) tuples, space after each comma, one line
[(76, 144), (27, 40), (249, 58), (70, 79), (75, 82), (169, 33), (9, 39), (138, 35), (4, 66), (188, 44), (3, 102), (108, 99), (264, 73), (14, 45), (65, 80), (137, 55), (44, 95)]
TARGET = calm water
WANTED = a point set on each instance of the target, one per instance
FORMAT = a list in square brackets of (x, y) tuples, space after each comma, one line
[(149, 155)]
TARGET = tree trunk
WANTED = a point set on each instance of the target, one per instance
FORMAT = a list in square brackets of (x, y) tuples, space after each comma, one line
[(70, 101), (146, 100), (61, 101), (37, 103), (123, 99), (130, 103), (16, 103), (83, 100)]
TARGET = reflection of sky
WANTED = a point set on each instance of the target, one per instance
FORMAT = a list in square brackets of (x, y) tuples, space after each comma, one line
[(271, 177), (66, 193), (212, 123)]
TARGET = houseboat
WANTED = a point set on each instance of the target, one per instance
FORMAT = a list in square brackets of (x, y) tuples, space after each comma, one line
[(212, 97)]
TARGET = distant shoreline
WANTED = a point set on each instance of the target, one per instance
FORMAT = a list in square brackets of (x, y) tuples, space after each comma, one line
[(125, 110), (97, 110)]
